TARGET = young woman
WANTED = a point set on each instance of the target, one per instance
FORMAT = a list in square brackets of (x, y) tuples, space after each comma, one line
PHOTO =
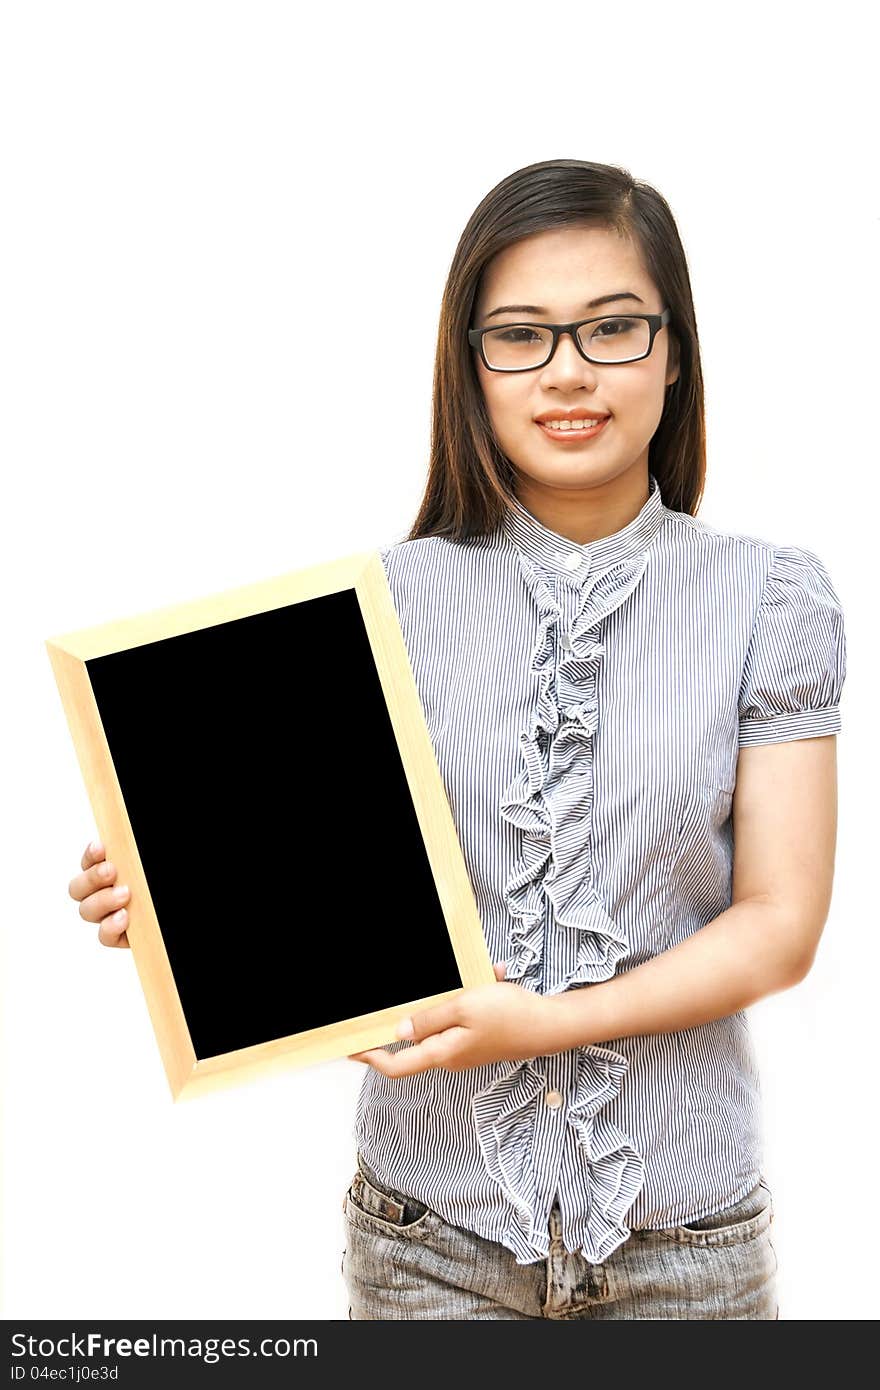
[(616, 693)]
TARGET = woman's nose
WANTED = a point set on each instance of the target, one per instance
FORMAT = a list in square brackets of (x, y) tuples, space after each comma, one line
[(567, 364)]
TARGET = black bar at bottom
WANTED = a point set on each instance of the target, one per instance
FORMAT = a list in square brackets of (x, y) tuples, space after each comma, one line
[(137, 1353)]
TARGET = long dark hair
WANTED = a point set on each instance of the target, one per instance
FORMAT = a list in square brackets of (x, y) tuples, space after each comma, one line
[(470, 479)]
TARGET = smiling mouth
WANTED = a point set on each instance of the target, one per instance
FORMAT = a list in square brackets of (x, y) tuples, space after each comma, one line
[(568, 431)]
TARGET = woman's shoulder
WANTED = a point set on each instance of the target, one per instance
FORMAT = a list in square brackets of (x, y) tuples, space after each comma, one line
[(699, 534), (430, 556), (429, 574), (421, 550), (778, 590), (741, 553)]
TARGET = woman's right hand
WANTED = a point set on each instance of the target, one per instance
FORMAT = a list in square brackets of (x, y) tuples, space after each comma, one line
[(98, 897)]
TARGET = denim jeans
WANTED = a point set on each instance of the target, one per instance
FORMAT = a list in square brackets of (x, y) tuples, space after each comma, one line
[(402, 1260)]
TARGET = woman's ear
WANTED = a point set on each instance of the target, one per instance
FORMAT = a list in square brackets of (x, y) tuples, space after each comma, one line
[(673, 363)]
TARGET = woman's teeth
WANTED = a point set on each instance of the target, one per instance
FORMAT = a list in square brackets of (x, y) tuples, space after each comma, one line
[(571, 424)]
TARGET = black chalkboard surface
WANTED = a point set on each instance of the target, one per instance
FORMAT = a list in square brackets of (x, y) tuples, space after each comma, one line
[(262, 775)]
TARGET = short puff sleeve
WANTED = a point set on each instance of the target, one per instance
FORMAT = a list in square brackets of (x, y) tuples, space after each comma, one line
[(796, 661)]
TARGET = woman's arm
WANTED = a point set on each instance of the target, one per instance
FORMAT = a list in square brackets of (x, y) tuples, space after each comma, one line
[(785, 828)]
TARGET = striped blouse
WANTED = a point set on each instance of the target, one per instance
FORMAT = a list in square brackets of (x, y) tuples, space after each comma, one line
[(586, 705)]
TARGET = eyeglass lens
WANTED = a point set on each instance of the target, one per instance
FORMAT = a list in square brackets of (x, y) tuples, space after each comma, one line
[(526, 345)]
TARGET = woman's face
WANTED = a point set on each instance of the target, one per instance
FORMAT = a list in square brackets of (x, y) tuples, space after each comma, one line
[(560, 272)]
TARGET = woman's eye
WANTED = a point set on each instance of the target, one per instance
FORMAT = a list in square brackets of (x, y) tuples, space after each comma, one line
[(614, 327), (518, 335)]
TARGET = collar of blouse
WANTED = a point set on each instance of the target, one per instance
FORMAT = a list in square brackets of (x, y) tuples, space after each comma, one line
[(560, 556)]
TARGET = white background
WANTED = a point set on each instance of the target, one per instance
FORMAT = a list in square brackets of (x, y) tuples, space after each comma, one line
[(193, 194)]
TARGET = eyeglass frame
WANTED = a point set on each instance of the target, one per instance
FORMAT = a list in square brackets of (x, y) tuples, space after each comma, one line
[(655, 323)]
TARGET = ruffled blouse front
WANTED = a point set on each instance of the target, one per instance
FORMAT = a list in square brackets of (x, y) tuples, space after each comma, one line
[(551, 798), (550, 801)]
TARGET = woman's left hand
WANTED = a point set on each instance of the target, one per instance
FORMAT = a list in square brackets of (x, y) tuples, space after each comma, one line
[(487, 1023)]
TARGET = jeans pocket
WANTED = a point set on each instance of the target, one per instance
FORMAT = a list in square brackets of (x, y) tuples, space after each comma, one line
[(732, 1225), (376, 1208)]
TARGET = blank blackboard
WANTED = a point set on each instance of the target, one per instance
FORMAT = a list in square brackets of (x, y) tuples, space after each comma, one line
[(261, 773)]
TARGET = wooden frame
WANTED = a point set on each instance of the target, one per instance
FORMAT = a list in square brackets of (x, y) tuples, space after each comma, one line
[(318, 861)]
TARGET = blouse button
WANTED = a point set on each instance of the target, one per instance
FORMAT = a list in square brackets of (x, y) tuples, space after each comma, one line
[(572, 560), (565, 641), (553, 1099)]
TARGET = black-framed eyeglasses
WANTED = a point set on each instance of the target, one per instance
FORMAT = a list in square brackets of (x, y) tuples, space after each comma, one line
[(611, 339)]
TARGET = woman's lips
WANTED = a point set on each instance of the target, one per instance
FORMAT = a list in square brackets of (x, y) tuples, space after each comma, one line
[(569, 436)]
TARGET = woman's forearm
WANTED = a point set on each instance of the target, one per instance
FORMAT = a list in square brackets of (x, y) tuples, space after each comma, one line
[(746, 953)]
